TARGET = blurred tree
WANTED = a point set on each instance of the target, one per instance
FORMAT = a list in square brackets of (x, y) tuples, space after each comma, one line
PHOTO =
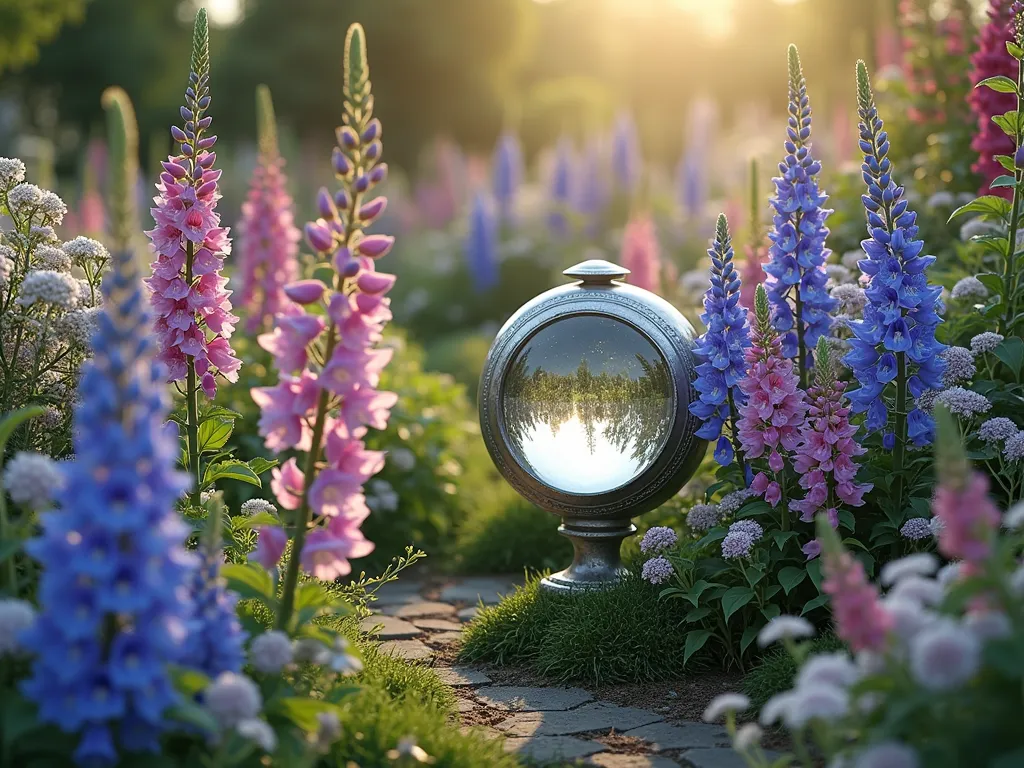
[(437, 68), (25, 24), (141, 46)]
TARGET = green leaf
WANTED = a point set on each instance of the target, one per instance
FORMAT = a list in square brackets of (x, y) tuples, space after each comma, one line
[(251, 581), (1003, 181), (192, 714), (781, 537), (696, 614), (187, 681), (1006, 655), (999, 84), (303, 711), (790, 578), (18, 716), (231, 470), (213, 433), (716, 534), (992, 281), (695, 640), (817, 602), (771, 611), (15, 419), (1011, 352), (1004, 160), (243, 523), (1018, 53), (694, 593), (846, 519), (259, 465), (9, 548), (340, 692), (748, 637), (734, 599), (851, 543), (1013, 759), (219, 412), (989, 206), (814, 571)]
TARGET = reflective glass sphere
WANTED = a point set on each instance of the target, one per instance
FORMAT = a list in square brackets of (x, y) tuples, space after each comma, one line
[(587, 404)]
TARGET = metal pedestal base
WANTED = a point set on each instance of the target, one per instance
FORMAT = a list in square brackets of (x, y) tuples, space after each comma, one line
[(596, 562)]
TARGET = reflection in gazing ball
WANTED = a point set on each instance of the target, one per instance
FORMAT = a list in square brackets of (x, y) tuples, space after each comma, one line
[(587, 404)]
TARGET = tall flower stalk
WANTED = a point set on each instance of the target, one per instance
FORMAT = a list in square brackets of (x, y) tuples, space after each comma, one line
[(269, 238), (990, 60), (771, 420), (194, 321), (894, 354), (114, 607), (721, 352), (328, 362), (796, 265), (755, 251)]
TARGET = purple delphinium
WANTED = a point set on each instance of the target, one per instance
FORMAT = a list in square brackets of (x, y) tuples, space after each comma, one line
[(561, 188), (592, 192), (691, 183), (796, 265), (893, 350), (481, 246), (721, 350), (626, 159), (506, 174)]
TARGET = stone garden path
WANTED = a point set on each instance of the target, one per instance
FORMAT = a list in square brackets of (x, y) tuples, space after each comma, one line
[(550, 725)]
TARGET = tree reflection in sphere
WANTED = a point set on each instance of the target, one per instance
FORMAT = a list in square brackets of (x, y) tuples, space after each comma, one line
[(587, 404)]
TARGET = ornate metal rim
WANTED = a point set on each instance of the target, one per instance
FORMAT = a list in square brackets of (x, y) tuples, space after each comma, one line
[(640, 311)]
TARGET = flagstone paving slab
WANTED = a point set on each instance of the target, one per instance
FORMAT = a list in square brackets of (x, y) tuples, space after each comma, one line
[(468, 614), (721, 757), (521, 699), (473, 590), (609, 760), (397, 593), (549, 748), (393, 628), (445, 638), (410, 650), (438, 625), (459, 677), (419, 609), (664, 736), (590, 717)]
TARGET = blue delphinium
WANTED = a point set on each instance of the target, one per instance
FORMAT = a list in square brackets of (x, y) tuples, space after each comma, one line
[(216, 639), (507, 174), (592, 192), (626, 154), (482, 245), (895, 342), (796, 265), (561, 188), (720, 350), (114, 607), (691, 183)]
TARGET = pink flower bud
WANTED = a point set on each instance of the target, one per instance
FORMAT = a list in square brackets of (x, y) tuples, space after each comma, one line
[(174, 169), (206, 160), (378, 174), (305, 291), (375, 282), (372, 130), (319, 237), (342, 165), (326, 205), (209, 384), (375, 246), (373, 209), (206, 188), (177, 134), (347, 137)]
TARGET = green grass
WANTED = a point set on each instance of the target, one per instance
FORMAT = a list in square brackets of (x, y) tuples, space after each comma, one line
[(777, 670), (505, 534), (613, 636)]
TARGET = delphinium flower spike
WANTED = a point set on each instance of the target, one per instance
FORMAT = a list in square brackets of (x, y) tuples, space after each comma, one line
[(268, 238), (114, 610), (825, 457), (194, 321), (328, 361), (481, 247), (561, 188), (893, 352), (721, 351), (507, 175), (771, 419), (756, 249), (796, 264)]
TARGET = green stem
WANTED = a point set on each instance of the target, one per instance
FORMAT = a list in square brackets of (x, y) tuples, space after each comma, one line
[(736, 440), (801, 350), (9, 574), (899, 447), (192, 400), (1009, 276)]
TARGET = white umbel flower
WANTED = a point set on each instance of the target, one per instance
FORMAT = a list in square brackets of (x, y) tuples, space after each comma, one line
[(271, 652), (232, 699), (782, 627), (918, 564), (49, 287), (944, 656), (12, 171), (31, 479), (724, 703)]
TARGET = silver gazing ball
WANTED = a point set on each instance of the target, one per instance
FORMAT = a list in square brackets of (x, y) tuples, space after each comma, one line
[(584, 407)]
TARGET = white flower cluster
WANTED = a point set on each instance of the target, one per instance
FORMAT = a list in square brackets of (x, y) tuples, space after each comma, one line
[(235, 702), (851, 298), (850, 259), (31, 479), (6, 265), (402, 459), (29, 200), (963, 402), (382, 496), (255, 506), (838, 274), (976, 227), (985, 342), (84, 249), (79, 325), (959, 365), (969, 289), (941, 199), (49, 287), (46, 257), (12, 171)]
